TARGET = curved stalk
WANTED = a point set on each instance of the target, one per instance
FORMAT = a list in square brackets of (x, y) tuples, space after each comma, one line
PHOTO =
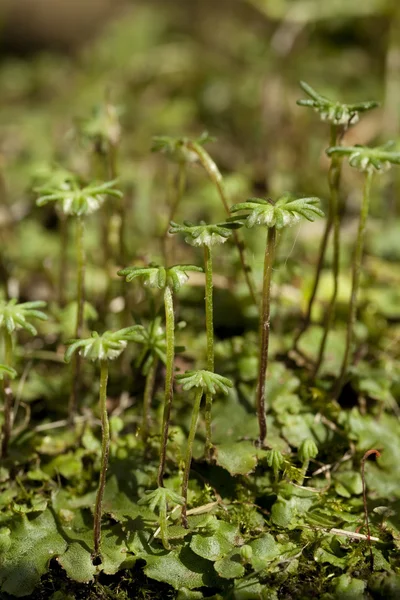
[(334, 182), (264, 332), (7, 397), (80, 299), (355, 282), (216, 177), (169, 380), (147, 397), (189, 452), (210, 340), (332, 217), (105, 449)]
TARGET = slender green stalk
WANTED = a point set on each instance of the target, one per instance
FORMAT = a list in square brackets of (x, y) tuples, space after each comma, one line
[(169, 380), (264, 332), (80, 299), (216, 177), (210, 340), (334, 183), (189, 452), (332, 220), (164, 525), (105, 449), (147, 397), (63, 260), (355, 282), (7, 396)]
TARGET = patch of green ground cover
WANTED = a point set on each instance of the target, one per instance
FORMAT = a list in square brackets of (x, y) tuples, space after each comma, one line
[(282, 521)]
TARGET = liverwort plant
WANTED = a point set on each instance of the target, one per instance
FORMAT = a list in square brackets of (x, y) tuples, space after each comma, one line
[(159, 499), (369, 161), (102, 349), (191, 151), (153, 350), (79, 202), (203, 382), (206, 236), (339, 116), (307, 450), (286, 211), (102, 130), (14, 316), (170, 280)]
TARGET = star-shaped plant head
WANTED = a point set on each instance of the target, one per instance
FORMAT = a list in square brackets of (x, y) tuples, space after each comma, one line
[(209, 382), (102, 128), (336, 113), (14, 316), (159, 499), (177, 149), (373, 160), (286, 211), (103, 347), (75, 199), (204, 235), (155, 276), (6, 371)]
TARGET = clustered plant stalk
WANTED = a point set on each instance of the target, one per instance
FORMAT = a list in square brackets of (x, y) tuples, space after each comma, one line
[(79, 201), (102, 349), (202, 382), (170, 280), (286, 211), (368, 161), (339, 116), (206, 236), (186, 150), (14, 316)]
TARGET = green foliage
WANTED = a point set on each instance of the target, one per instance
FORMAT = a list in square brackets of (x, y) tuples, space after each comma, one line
[(74, 199), (176, 149), (285, 212), (363, 158), (209, 382), (202, 234), (14, 316), (333, 112), (107, 346), (154, 276), (6, 371)]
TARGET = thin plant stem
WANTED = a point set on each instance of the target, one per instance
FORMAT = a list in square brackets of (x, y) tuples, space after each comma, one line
[(355, 282), (216, 177), (169, 380), (264, 332), (178, 193), (147, 397), (105, 450), (164, 525), (333, 216), (7, 396), (208, 268), (364, 490), (189, 452), (63, 259), (334, 182), (80, 300)]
